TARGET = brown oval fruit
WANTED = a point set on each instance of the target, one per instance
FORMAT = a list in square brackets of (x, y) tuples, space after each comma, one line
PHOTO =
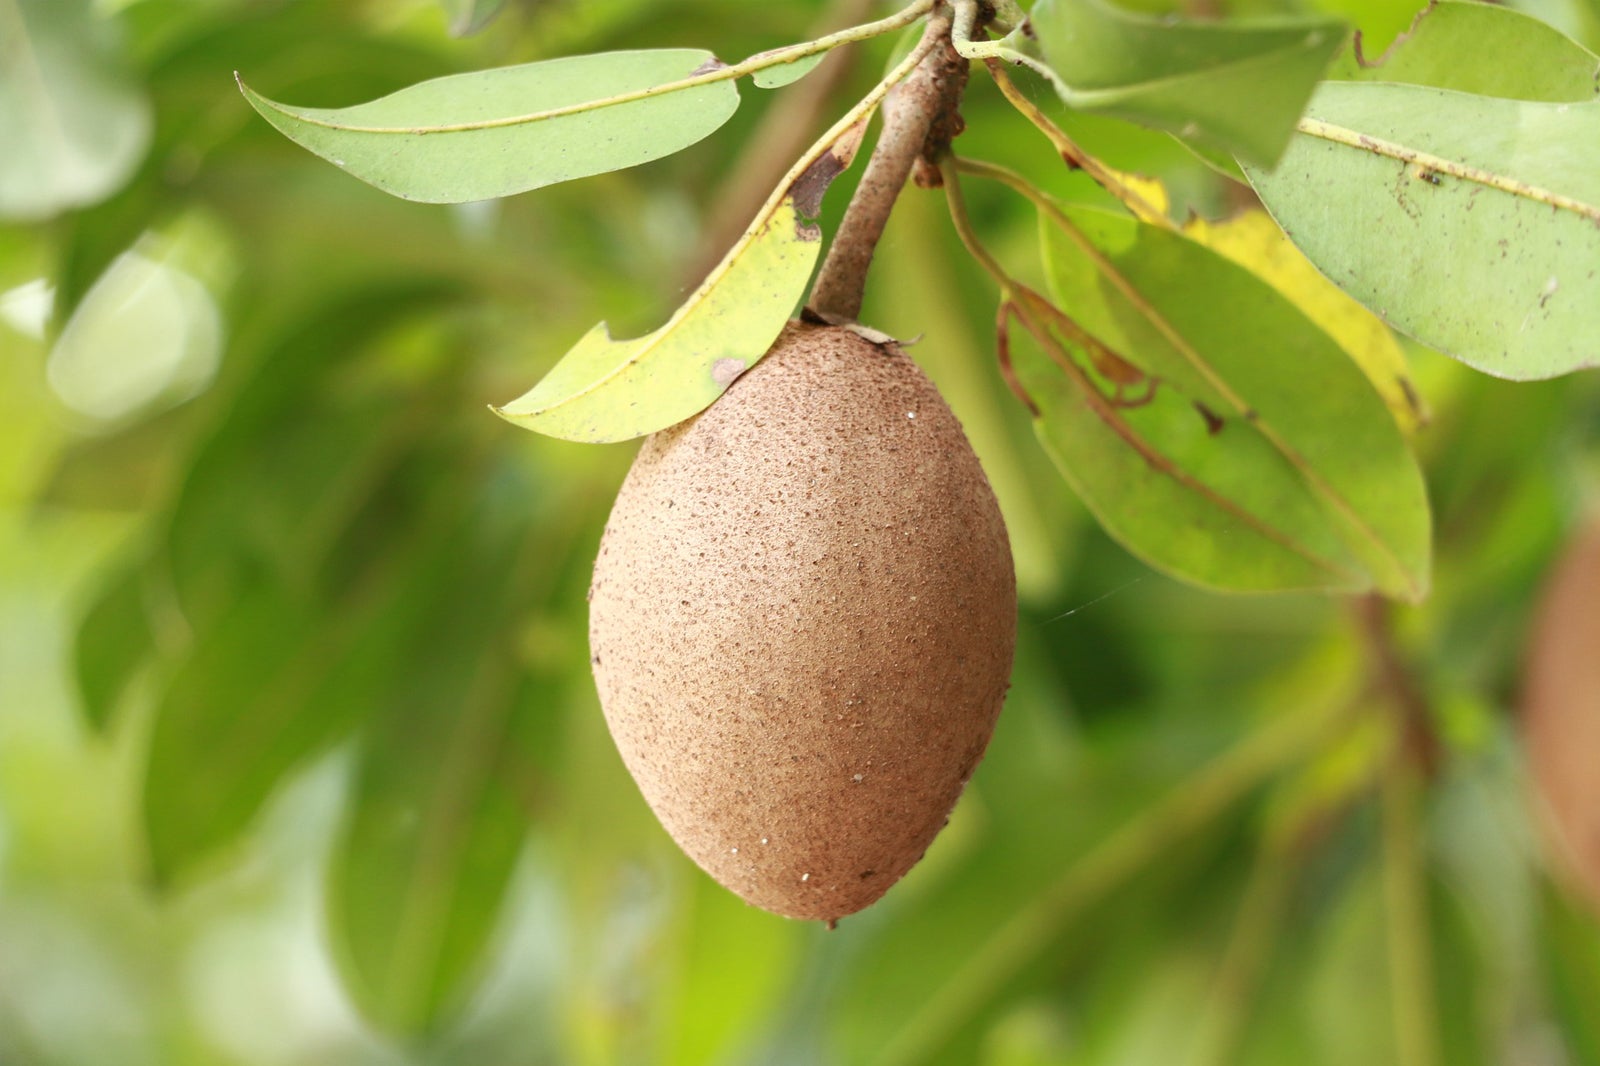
[(802, 623), (1561, 710)]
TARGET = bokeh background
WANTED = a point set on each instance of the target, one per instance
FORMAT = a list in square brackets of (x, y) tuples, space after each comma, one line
[(300, 763)]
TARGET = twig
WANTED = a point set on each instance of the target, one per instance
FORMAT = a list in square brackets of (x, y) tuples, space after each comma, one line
[(706, 75), (1397, 683), (918, 121), (1415, 760), (1073, 155), (1224, 1024), (1406, 895)]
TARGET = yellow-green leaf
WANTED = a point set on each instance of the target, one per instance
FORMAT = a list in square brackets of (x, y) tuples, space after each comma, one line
[(1255, 242), (609, 390)]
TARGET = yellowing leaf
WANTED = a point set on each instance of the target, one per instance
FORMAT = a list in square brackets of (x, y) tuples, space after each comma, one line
[(1255, 242), (1147, 198), (609, 390)]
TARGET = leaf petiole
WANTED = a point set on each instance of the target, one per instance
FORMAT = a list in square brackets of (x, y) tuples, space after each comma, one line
[(949, 170), (1074, 156), (1009, 14)]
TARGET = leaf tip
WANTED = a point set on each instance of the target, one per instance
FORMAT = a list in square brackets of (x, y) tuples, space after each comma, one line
[(505, 413), (255, 99)]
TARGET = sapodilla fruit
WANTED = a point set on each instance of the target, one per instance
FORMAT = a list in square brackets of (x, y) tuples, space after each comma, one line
[(802, 622), (1561, 711)]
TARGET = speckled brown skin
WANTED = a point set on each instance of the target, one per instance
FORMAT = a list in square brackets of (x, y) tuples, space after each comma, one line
[(802, 622), (1561, 711)]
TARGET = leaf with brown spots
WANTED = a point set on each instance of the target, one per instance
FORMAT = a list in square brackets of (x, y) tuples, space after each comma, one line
[(1250, 453), (1471, 223), (610, 390)]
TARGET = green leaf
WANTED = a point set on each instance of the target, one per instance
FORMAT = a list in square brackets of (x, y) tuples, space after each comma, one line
[(301, 552), (1470, 223), (114, 640), (1238, 86), (787, 73), (214, 756), (498, 132), (73, 126), (271, 489), (440, 804), (610, 390), (182, 79), (1474, 47), (1212, 427), (305, 675), (469, 16)]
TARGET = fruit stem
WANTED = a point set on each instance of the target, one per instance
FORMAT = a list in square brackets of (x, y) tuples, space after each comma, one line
[(919, 119)]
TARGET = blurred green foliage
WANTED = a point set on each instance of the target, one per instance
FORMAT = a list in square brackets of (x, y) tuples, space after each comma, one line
[(299, 758)]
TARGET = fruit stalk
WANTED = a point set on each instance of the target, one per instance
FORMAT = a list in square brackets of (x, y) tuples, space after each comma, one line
[(919, 119)]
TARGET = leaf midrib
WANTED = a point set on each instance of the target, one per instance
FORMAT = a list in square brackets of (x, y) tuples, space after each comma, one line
[(1354, 139)]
